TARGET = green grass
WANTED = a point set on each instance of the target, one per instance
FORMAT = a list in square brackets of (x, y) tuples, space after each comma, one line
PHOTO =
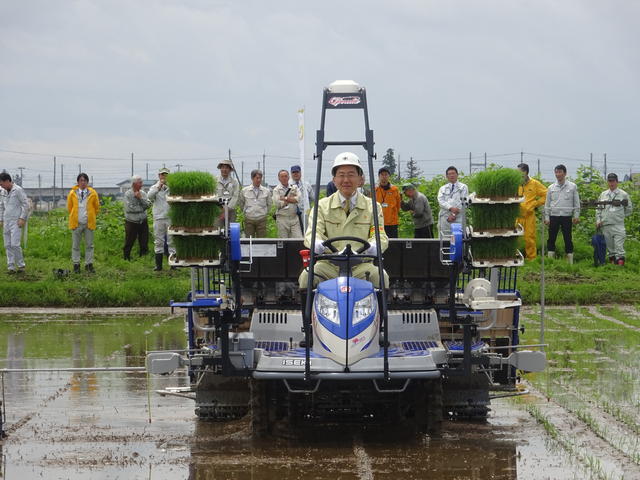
[(494, 248), (485, 217), (197, 247), (191, 183), (496, 183), (194, 214)]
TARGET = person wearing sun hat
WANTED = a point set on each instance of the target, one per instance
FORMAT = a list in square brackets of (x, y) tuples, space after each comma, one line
[(229, 189), (158, 194)]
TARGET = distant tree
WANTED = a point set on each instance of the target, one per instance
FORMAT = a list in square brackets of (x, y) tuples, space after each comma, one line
[(389, 161), (413, 171)]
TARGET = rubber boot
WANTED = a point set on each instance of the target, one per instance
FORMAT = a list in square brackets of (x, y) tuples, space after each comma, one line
[(89, 268), (570, 258), (620, 261), (551, 254), (612, 259), (76, 268), (158, 266)]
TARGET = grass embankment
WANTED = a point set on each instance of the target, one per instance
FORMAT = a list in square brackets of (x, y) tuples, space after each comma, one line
[(120, 283)]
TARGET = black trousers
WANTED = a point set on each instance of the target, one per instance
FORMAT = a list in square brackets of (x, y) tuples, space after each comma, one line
[(132, 231), (423, 232), (391, 231), (556, 224)]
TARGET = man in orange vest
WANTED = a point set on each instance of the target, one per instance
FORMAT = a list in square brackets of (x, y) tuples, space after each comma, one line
[(388, 196), (535, 195)]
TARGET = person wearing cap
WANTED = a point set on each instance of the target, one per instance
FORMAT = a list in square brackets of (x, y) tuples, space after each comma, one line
[(451, 198), (561, 210), (83, 206), (610, 218), (388, 196), (286, 198), (535, 194), (306, 195), (418, 205), (346, 213), (136, 225), (227, 188), (158, 194), (255, 203)]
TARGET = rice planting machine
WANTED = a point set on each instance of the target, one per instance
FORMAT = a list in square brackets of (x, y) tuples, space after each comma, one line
[(437, 341)]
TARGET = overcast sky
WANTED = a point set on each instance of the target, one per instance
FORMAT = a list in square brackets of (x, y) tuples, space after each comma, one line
[(181, 82)]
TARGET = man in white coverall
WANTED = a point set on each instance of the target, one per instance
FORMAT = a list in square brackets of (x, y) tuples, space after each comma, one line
[(158, 196), (14, 211), (610, 218)]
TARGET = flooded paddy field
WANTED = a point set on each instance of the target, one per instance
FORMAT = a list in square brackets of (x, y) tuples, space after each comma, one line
[(582, 419)]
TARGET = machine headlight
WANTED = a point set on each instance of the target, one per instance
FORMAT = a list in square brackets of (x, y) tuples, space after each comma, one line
[(327, 308), (363, 308)]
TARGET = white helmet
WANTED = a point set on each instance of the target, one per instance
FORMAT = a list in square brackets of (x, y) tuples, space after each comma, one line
[(346, 158)]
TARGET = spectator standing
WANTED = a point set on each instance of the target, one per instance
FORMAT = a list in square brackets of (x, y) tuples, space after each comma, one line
[(451, 198), (83, 206), (388, 196), (255, 202), (610, 218), (535, 195), (136, 225), (418, 205), (228, 188), (285, 198), (561, 209), (158, 194), (307, 195), (14, 213)]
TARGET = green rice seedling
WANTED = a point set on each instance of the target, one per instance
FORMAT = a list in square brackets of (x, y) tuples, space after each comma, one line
[(194, 214), (191, 184), (197, 247), (498, 216), (497, 184), (494, 248)]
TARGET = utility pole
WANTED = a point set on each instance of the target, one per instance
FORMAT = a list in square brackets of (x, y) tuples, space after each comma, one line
[(241, 170), (61, 178), (590, 167), (521, 156), (264, 168), (79, 168), (605, 165), (178, 165), (21, 176), (54, 182), (39, 189), (485, 160), (147, 171), (132, 164), (538, 167)]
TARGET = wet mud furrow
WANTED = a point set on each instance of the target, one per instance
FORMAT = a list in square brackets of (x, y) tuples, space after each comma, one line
[(596, 313)]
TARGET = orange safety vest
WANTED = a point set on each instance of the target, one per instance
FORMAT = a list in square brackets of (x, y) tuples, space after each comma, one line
[(390, 200)]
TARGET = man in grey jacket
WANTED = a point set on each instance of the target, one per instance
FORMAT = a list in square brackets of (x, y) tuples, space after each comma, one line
[(135, 216), (14, 212), (610, 218), (255, 202), (418, 205), (158, 196), (561, 211)]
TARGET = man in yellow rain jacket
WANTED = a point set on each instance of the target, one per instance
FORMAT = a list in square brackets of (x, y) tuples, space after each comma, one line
[(534, 194), (346, 213), (83, 205)]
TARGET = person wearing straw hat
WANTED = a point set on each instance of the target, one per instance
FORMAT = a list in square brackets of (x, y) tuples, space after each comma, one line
[(227, 188), (158, 194)]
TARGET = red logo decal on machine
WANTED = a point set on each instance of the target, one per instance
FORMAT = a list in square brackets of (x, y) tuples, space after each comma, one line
[(345, 289), (335, 101)]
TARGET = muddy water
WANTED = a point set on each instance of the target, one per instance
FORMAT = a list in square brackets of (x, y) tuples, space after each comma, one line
[(97, 425)]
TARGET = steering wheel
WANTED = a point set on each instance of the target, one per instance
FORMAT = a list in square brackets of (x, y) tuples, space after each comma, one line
[(329, 243)]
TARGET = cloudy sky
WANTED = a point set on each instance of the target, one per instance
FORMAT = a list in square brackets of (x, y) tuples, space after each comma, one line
[(181, 82)]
